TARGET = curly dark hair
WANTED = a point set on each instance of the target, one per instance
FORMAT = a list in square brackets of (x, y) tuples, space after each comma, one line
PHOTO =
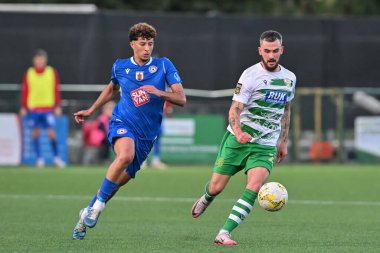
[(142, 30)]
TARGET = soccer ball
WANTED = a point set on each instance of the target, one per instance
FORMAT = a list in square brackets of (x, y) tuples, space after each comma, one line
[(272, 196)]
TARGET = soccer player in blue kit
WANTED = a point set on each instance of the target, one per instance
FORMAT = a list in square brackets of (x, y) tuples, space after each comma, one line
[(136, 118)]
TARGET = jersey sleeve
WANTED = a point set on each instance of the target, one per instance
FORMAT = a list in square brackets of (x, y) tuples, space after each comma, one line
[(243, 92), (113, 74), (171, 73), (294, 80)]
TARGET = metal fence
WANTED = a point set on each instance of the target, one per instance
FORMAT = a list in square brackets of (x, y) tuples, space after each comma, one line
[(318, 114)]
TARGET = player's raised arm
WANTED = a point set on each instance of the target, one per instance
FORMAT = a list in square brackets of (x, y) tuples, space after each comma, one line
[(107, 94)]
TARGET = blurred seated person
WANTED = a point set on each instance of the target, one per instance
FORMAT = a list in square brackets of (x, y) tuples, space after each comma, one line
[(97, 147)]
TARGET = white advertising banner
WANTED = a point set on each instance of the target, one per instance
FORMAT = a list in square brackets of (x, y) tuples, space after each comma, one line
[(367, 134), (10, 139)]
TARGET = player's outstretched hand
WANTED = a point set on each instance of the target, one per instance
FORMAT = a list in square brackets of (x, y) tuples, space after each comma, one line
[(79, 116), (243, 137), (152, 90)]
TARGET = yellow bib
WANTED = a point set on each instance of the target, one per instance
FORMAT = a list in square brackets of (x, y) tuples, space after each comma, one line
[(41, 88)]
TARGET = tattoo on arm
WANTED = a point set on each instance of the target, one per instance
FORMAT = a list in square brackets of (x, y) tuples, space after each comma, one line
[(235, 111), (285, 121)]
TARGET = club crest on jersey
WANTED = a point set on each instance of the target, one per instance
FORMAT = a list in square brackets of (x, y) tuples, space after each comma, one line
[(288, 82), (238, 88), (276, 97), (140, 97), (220, 162), (152, 69), (121, 131), (139, 75)]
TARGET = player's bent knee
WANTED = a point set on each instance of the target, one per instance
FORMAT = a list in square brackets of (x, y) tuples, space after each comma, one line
[(125, 160)]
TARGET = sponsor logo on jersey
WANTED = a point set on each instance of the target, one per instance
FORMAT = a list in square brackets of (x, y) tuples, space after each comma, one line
[(139, 75), (275, 97), (265, 82), (152, 69), (282, 82), (140, 97), (238, 88), (127, 71), (121, 131)]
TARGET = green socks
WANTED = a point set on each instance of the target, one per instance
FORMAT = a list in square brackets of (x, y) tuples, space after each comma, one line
[(208, 196), (240, 210)]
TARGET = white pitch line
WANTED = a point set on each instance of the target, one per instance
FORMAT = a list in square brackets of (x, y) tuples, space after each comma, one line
[(182, 199)]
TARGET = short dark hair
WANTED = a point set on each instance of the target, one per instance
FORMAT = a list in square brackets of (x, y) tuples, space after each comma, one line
[(270, 36), (142, 30), (40, 52)]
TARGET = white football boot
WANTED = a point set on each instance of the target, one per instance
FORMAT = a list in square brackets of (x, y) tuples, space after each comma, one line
[(224, 238), (80, 228), (199, 206)]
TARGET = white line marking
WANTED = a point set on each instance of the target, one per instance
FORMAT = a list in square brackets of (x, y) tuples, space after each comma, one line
[(181, 199)]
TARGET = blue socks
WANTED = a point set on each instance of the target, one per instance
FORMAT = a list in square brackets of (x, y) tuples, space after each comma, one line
[(93, 200), (38, 150), (54, 147), (37, 147), (106, 190)]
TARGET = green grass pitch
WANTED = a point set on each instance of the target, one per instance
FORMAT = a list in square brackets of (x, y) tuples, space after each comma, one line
[(331, 208)]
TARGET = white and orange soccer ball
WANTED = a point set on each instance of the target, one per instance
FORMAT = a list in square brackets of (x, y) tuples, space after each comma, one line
[(273, 196)]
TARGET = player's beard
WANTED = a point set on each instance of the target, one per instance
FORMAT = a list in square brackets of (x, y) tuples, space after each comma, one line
[(266, 64)]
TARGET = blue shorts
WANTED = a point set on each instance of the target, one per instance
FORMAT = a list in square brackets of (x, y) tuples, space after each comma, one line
[(119, 129), (41, 119)]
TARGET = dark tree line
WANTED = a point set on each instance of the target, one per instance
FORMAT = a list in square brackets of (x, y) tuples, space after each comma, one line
[(259, 7)]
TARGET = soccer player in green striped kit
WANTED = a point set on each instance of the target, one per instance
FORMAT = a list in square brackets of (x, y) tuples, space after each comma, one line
[(257, 133)]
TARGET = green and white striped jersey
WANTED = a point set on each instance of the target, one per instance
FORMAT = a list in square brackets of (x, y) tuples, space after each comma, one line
[(264, 95)]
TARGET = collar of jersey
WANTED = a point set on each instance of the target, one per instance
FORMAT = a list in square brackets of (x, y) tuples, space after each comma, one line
[(149, 62), (261, 66)]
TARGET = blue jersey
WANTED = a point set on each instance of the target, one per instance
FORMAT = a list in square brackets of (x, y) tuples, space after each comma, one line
[(142, 111)]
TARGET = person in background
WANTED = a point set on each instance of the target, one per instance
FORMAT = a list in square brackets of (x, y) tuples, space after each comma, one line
[(97, 146), (40, 100)]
